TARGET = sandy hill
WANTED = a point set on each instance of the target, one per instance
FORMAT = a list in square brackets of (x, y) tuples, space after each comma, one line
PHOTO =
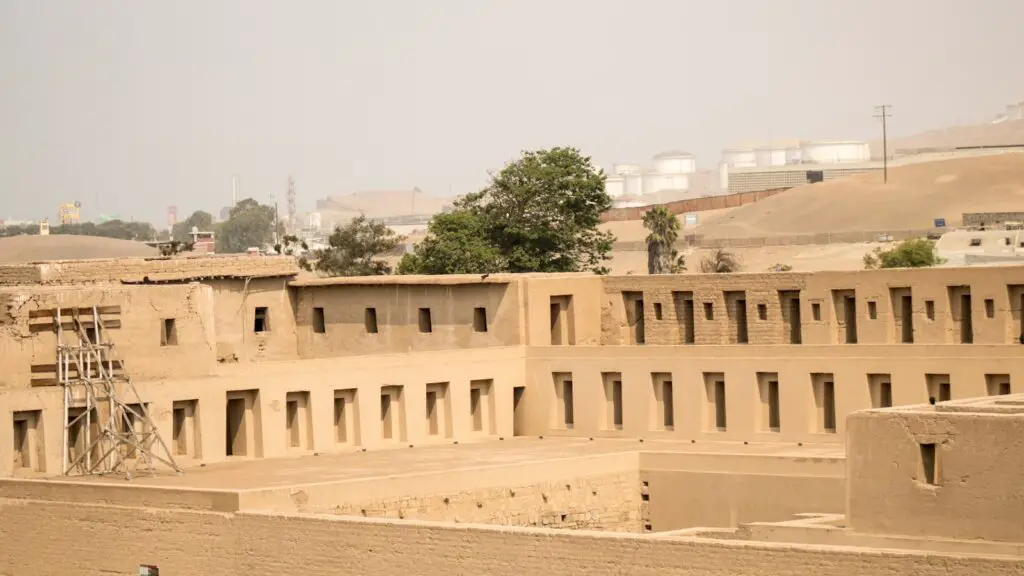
[(914, 196), (66, 247), (1001, 134), (382, 204), (634, 231)]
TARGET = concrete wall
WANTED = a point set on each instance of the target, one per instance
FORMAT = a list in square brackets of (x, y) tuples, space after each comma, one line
[(54, 538), (974, 492), (990, 219)]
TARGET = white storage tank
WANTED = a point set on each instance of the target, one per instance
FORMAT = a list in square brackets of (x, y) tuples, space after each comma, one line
[(675, 162), (723, 176), (766, 157), (634, 185), (651, 183), (794, 155), (625, 169), (739, 157), (615, 186), (674, 182), (835, 152)]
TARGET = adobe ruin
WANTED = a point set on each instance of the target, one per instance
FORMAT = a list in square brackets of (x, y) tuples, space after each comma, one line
[(721, 424)]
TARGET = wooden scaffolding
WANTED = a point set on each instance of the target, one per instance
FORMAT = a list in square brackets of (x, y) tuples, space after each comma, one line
[(107, 428)]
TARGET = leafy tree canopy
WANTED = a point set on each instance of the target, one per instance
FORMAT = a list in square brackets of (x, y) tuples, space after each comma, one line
[(250, 225), (913, 253), (456, 243), (538, 214), (355, 249), (120, 229), (663, 231), (182, 230)]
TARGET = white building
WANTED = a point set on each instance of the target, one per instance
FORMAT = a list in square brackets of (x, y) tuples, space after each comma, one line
[(671, 171), (772, 154)]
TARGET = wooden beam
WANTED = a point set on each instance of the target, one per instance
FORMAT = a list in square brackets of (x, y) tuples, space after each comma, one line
[(69, 312)]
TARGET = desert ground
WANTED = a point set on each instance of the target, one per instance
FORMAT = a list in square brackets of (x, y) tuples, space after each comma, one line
[(810, 258), (68, 247), (915, 195)]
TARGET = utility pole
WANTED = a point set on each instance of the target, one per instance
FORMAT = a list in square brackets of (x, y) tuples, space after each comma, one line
[(883, 113)]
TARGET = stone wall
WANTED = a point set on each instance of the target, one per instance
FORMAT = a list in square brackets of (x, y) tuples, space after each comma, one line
[(990, 219), (605, 502)]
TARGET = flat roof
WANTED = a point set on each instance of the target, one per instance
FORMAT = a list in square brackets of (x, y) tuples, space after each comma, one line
[(418, 279), (1002, 405), (255, 474)]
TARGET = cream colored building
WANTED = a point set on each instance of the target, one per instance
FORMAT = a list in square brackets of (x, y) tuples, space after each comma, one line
[(702, 424)]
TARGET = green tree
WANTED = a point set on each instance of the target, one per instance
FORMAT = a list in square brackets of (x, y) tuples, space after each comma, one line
[(119, 229), (355, 249), (721, 261), (540, 213), (250, 225), (18, 230), (663, 231), (913, 253), (456, 243), (182, 231)]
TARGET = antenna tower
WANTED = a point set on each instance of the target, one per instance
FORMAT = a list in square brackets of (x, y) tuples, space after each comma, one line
[(107, 427), (291, 204), (236, 189)]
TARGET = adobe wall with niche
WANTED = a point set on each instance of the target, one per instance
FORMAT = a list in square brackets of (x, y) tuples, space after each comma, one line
[(746, 373), (237, 303), (966, 485), (191, 542), (380, 319), (137, 333), (935, 306), (317, 385), (724, 490), (562, 309)]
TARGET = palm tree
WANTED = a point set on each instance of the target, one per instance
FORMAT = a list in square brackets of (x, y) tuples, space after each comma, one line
[(663, 228), (721, 261)]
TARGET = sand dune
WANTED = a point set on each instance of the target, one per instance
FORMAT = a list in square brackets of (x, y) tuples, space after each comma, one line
[(914, 196), (67, 247)]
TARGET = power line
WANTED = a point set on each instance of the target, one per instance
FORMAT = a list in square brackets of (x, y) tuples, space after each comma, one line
[(883, 113)]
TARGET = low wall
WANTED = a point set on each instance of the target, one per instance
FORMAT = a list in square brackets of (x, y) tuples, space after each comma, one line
[(87, 493), (57, 538), (724, 490), (818, 239), (605, 502), (147, 269), (600, 492), (692, 205)]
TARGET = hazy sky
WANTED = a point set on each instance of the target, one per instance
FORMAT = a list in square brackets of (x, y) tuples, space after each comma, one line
[(145, 103)]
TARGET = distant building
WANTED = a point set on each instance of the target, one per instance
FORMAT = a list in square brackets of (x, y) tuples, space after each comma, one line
[(671, 171)]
